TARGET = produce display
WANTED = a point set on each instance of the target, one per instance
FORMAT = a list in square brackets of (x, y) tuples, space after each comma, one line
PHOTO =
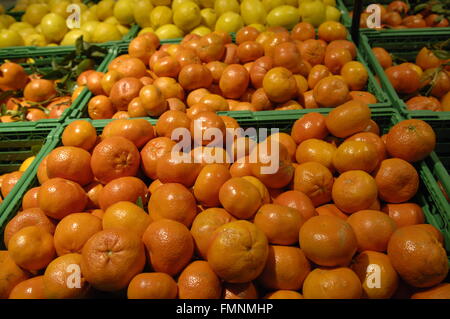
[(223, 149), (411, 14)]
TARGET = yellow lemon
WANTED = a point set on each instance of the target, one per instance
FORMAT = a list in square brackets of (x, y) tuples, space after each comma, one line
[(123, 29), (123, 11), (332, 14), (71, 37), (313, 12), (112, 20), (253, 11), (161, 2), (229, 22), (7, 20), (284, 16), (36, 40), (209, 17), (105, 32), (146, 30), (222, 6), (177, 3), (26, 163), (258, 26), (88, 16), (89, 27), (272, 4), (34, 13), (141, 13), (329, 3), (10, 38), (53, 27), (60, 8), (105, 9), (17, 26), (169, 31), (187, 16), (201, 30), (160, 16), (207, 3)]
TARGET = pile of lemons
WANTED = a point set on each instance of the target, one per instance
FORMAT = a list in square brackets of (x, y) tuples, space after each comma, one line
[(44, 21)]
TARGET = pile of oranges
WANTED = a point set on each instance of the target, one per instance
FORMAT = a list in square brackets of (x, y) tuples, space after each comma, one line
[(39, 100), (270, 70), (124, 215), (411, 79), (397, 15)]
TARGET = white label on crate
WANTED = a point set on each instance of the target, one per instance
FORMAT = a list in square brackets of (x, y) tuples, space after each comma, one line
[(374, 19), (73, 20)]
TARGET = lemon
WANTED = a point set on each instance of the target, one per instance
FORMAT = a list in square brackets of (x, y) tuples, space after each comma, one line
[(187, 16), (123, 29), (201, 30), (160, 16), (332, 14), (222, 6), (36, 40), (329, 3), (2, 26), (207, 3), (88, 16), (38, 28), (105, 9), (146, 30), (169, 31), (253, 11), (89, 27), (177, 3), (34, 13), (53, 27), (141, 13), (17, 26), (112, 20), (26, 163), (272, 4), (26, 32), (61, 8), (161, 2), (52, 45), (7, 20), (10, 38), (209, 17), (313, 12), (293, 3), (257, 26), (105, 32), (123, 11), (229, 22), (83, 7), (284, 16), (71, 37)]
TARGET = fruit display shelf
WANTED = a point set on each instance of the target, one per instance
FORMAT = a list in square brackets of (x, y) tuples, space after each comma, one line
[(429, 196), (42, 58), (346, 6), (19, 143), (405, 45)]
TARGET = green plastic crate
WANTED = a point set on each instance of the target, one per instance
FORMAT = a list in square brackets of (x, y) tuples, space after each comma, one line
[(42, 58), (19, 143)]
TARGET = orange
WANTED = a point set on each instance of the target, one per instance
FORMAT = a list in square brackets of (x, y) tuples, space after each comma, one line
[(128, 189), (108, 80), (349, 118), (354, 190), (328, 241), (155, 285), (63, 279), (30, 199), (170, 121), (152, 151), (173, 201), (279, 85), (126, 215), (169, 245), (363, 96), (114, 157), (238, 251), (284, 294), (198, 281), (174, 169), (81, 134), (100, 107), (205, 223), (397, 180), (111, 258), (297, 200), (25, 218), (331, 91), (405, 214), (265, 195), (208, 184), (240, 197), (60, 197), (138, 131), (331, 31), (32, 288), (286, 268), (39, 90), (93, 193), (74, 230), (153, 186), (373, 139), (280, 224), (383, 57), (31, 248), (287, 141), (245, 290), (355, 75), (152, 100), (432, 230), (331, 210), (373, 229), (72, 163), (315, 181), (337, 283), (93, 83), (317, 73), (418, 257), (378, 277), (132, 67), (441, 291), (411, 140), (310, 125), (42, 171), (142, 48), (10, 274), (355, 155), (315, 150), (9, 181)]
